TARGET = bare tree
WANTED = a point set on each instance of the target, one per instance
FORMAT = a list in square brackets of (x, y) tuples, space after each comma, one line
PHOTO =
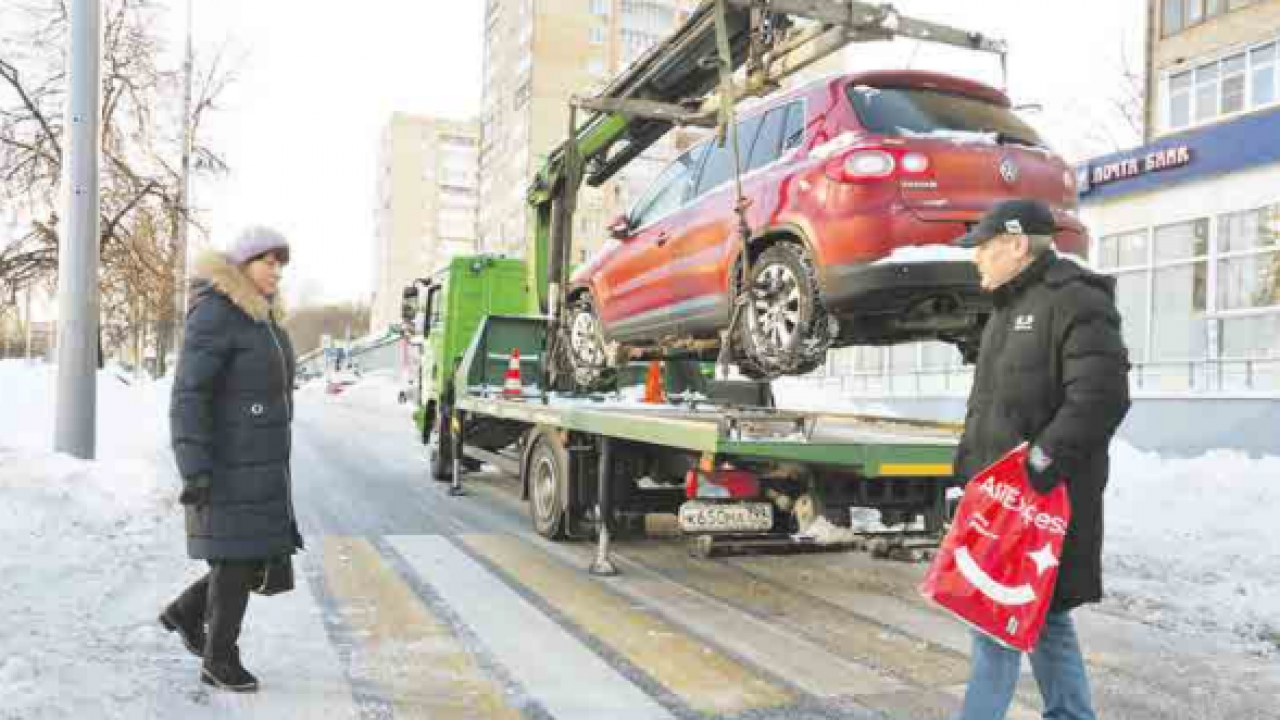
[(306, 325), (140, 192), (1117, 124)]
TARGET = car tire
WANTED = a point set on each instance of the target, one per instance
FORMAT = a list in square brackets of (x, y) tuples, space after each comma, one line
[(586, 355), (789, 331)]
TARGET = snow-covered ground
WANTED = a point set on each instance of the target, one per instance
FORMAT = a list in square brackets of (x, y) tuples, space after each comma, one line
[(75, 537), (90, 550)]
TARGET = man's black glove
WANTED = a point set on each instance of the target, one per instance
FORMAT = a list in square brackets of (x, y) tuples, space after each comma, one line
[(1043, 473), (195, 491)]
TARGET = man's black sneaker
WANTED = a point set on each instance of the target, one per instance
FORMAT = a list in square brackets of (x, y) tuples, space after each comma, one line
[(192, 633), (228, 675)]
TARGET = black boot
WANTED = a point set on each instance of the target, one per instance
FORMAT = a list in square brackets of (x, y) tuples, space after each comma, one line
[(228, 675), (191, 630)]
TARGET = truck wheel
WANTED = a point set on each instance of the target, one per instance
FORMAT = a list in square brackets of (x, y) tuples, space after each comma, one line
[(442, 448), (789, 332), (584, 349), (428, 422), (547, 476)]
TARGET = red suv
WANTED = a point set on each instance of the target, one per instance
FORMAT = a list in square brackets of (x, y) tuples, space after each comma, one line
[(856, 186)]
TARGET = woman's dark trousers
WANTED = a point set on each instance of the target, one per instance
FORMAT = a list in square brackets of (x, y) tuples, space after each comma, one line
[(221, 598)]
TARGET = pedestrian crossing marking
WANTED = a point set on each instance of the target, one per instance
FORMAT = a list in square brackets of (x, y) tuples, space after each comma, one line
[(703, 678), (424, 669), (868, 587), (553, 667), (802, 661), (900, 655)]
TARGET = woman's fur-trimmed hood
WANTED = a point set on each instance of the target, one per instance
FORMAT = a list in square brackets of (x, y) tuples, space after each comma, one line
[(226, 278)]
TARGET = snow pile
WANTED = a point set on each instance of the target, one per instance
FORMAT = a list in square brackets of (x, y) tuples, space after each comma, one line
[(815, 394), (87, 549), (1194, 545), (927, 253), (28, 393), (956, 137)]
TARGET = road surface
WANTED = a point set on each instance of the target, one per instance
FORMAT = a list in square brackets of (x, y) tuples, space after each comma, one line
[(414, 604)]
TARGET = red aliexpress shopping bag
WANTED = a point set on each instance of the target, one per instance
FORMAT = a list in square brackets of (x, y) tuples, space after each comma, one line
[(997, 566)]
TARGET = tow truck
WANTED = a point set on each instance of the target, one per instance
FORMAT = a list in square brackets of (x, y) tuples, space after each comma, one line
[(737, 471)]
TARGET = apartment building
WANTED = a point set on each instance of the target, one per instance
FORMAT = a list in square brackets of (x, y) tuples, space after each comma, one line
[(427, 203), (538, 55)]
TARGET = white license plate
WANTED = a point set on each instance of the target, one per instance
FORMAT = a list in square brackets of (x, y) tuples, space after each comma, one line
[(701, 517)]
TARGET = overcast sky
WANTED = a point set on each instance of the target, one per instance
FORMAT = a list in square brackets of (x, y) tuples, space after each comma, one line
[(319, 79)]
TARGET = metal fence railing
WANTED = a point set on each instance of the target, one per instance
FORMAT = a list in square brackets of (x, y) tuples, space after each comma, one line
[(1249, 376)]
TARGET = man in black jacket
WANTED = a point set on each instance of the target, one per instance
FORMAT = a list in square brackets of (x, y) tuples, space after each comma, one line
[(1053, 371)]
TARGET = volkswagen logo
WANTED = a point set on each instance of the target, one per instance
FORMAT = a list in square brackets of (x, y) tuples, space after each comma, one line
[(257, 409), (1008, 171)]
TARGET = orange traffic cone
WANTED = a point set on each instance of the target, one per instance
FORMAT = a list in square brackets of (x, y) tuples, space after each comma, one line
[(653, 384), (511, 386)]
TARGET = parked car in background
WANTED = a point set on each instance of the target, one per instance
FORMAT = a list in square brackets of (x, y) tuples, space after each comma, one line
[(340, 381), (856, 186)]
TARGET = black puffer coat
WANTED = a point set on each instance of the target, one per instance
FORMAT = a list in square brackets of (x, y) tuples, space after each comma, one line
[(230, 417), (1053, 370)]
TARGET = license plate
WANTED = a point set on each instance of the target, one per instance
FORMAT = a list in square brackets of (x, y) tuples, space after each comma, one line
[(702, 517)]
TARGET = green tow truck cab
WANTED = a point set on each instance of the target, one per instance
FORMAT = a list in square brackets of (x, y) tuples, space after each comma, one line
[(444, 312)]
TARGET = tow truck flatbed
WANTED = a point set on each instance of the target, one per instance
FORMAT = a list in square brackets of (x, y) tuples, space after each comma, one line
[(586, 461)]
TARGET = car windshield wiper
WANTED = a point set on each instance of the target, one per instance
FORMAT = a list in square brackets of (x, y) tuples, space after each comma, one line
[(1005, 138)]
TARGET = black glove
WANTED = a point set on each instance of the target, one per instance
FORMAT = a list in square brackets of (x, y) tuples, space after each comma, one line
[(195, 491), (1043, 473)]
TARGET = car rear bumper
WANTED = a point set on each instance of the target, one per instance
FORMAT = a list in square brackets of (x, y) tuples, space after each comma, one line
[(892, 301)]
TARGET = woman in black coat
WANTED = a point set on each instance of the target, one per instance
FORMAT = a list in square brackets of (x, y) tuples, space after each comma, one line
[(230, 418)]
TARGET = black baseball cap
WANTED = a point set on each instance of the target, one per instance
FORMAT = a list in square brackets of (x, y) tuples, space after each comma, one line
[(1014, 217)]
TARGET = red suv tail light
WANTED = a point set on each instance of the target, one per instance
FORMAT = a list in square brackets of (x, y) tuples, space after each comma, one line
[(869, 164)]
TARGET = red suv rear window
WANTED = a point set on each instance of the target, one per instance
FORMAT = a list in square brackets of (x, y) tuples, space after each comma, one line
[(923, 111)]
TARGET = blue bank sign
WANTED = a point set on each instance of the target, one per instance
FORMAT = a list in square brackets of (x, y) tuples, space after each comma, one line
[(1250, 141)]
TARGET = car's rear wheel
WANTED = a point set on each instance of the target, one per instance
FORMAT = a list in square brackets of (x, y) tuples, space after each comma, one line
[(584, 348), (787, 331)]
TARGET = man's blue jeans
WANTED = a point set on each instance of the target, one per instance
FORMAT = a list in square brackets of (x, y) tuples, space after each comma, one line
[(1056, 662)]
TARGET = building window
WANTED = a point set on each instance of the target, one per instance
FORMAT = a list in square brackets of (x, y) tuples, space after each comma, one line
[(1233, 74), (595, 66), (1225, 86), (1249, 259), (1206, 92), (1172, 20), (1193, 12), (1178, 15), (1263, 60), (1134, 303), (1123, 251), (1200, 300), (597, 35), (600, 7)]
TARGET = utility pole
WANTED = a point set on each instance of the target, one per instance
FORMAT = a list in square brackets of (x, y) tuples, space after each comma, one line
[(77, 406), (181, 251), (26, 314)]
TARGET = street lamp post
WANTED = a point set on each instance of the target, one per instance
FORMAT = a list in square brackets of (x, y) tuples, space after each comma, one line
[(78, 259)]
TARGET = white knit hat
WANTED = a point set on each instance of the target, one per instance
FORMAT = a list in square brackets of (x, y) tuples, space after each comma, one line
[(257, 240)]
